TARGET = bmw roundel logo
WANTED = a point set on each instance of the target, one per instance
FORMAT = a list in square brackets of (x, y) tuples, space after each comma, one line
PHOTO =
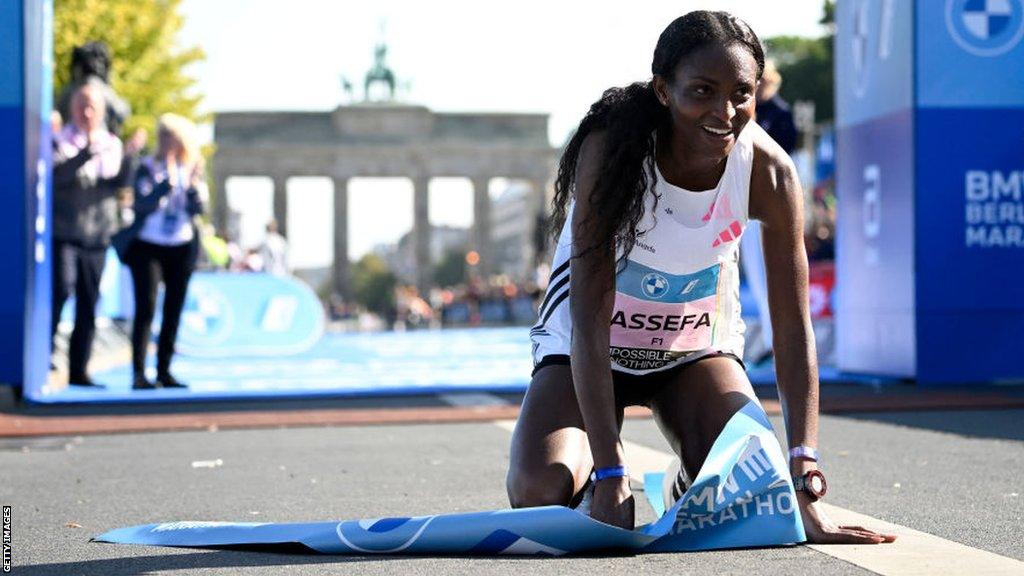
[(654, 285), (207, 318), (382, 535), (985, 27)]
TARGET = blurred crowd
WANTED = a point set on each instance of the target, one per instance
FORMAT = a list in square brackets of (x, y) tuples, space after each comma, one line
[(493, 301), (821, 223)]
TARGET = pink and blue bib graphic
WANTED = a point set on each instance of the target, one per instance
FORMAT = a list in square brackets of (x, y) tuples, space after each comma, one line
[(661, 317)]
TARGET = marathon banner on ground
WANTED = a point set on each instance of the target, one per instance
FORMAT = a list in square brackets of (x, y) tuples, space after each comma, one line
[(742, 497)]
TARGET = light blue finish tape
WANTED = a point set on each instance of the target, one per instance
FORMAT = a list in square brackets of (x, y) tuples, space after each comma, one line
[(742, 497)]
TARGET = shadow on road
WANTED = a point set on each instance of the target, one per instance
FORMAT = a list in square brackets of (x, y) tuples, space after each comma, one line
[(247, 556), (124, 566), (997, 424)]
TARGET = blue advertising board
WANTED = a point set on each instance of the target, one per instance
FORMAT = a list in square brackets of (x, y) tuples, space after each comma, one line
[(25, 91), (930, 249), (875, 188)]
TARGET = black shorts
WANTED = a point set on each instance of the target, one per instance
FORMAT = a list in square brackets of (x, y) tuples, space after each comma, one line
[(633, 390)]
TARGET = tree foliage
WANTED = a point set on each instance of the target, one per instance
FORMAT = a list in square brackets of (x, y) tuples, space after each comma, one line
[(373, 285), (451, 270), (807, 65), (148, 69)]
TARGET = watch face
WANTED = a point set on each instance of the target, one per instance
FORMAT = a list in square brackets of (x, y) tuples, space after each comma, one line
[(816, 484)]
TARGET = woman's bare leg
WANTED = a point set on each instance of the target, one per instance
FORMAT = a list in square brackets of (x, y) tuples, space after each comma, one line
[(692, 410), (550, 458)]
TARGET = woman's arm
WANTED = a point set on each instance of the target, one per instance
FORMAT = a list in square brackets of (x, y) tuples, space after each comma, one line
[(197, 193), (147, 191), (65, 168), (129, 166), (776, 199), (591, 298)]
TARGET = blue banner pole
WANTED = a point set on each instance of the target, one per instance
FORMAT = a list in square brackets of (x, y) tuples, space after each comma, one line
[(26, 72)]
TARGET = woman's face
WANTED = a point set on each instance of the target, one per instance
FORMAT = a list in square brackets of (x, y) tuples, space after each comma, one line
[(169, 144), (711, 98)]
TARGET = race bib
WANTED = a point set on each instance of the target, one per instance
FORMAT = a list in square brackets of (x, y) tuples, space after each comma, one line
[(660, 317)]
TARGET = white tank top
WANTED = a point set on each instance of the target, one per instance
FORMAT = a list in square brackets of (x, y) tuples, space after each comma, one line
[(677, 293)]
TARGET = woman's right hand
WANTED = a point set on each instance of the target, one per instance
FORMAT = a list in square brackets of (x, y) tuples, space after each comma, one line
[(613, 503)]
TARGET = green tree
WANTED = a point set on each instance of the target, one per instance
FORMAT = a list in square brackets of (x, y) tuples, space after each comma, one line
[(451, 270), (806, 66), (373, 285), (148, 69)]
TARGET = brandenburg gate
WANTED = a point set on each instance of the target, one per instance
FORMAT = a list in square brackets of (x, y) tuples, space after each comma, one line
[(385, 140)]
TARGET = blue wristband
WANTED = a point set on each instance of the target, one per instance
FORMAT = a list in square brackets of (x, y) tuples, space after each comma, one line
[(609, 472)]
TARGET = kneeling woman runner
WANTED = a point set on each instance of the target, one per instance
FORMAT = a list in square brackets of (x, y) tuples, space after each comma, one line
[(653, 194)]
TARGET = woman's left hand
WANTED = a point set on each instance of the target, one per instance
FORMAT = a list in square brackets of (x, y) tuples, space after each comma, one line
[(821, 530)]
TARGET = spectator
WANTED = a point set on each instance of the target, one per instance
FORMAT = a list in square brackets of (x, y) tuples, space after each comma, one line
[(773, 113), (89, 165), (163, 241), (274, 251), (91, 63)]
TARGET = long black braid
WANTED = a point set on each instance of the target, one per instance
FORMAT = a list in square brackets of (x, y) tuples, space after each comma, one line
[(629, 118)]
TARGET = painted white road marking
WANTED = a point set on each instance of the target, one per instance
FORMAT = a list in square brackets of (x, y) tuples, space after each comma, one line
[(914, 553), (509, 425)]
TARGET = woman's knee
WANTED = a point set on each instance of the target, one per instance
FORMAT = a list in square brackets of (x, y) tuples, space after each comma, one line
[(549, 488)]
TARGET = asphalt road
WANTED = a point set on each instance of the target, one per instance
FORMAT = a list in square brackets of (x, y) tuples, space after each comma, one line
[(929, 473)]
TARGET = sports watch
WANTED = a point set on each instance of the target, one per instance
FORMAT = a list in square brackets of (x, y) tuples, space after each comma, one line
[(813, 483)]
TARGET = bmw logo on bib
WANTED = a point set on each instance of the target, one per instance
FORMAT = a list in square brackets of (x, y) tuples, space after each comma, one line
[(654, 285), (985, 27)]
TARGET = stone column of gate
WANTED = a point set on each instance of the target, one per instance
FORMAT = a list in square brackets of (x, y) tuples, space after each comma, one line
[(541, 213), (220, 204), (481, 237), (421, 232), (341, 264), (281, 203)]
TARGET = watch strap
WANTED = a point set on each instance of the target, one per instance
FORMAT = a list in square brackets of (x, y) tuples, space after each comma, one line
[(802, 483)]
